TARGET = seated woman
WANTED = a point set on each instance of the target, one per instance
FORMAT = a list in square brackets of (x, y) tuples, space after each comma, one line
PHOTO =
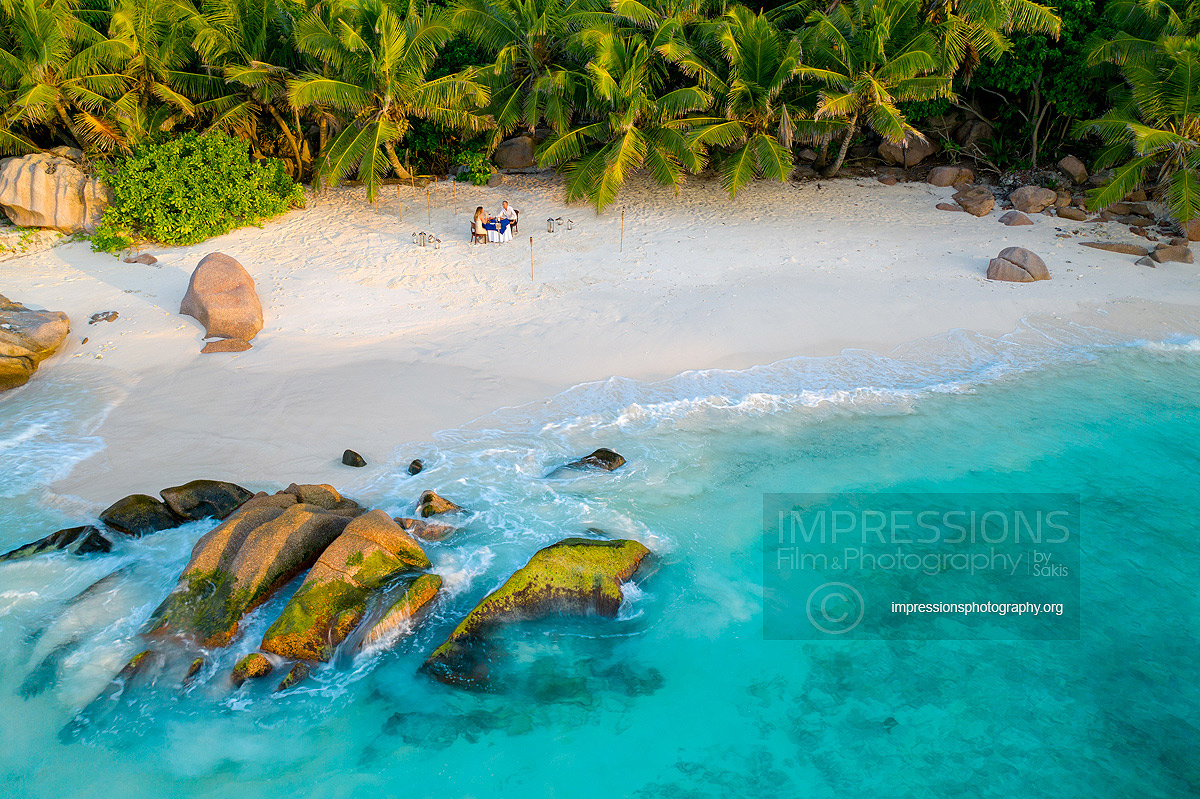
[(478, 231)]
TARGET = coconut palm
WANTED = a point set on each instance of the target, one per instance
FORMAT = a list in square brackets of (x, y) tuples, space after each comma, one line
[(153, 40), (54, 77), (867, 56), (249, 41), (975, 30), (379, 55), (1153, 134), (538, 71), (636, 119), (756, 63)]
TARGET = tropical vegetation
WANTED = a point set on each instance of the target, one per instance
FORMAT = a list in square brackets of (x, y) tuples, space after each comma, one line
[(325, 91)]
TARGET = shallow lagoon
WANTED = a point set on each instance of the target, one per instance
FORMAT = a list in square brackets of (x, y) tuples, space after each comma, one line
[(681, 696)]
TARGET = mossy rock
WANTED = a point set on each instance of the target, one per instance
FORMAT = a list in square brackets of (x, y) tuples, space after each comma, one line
[(192, 671), (138, 514), (575, 577), (85, 540), (200, 499), (297, 674), (251, 667), (241, 564), (430, 504), (332, 600), (415, 598)]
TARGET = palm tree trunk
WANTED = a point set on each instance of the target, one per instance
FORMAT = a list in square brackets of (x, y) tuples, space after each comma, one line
[(291, 139), (66, 122), (823, 154), (841, 156), (401, 172)]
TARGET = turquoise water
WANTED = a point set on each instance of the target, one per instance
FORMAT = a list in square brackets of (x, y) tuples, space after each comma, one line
[(680, 696)]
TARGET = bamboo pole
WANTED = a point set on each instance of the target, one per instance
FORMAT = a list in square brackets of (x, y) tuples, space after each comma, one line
[(622, 248), (435, 191), (454, 191), (399, 205), (531, 259), (428, 208)]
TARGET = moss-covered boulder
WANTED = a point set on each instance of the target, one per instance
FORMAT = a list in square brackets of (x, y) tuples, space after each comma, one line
[(251, 667), (138, 515), (430, 504), (333, 598), (426, 531), (397, 621), (242, 563), (200, 499), (85, 540), (575, 577), (297, 674)]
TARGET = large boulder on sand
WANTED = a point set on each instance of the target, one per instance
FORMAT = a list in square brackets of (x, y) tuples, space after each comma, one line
[(27, 338), (46, 190), (241, 563), (1032, 199), (975, 200), (333, 598), (914, 149), (515, 153), (950, 176), (221, 297), (575, 577), (1014, 218), (1017, 265)]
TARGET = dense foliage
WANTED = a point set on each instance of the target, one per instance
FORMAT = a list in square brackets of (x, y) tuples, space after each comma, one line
[(378, 89), (190, 188)]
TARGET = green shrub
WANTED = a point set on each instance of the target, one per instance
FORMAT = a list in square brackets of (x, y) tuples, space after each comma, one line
[(189, 189), (478, 167)]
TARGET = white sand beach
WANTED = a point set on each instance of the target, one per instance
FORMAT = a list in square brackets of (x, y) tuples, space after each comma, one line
[(371, 342)]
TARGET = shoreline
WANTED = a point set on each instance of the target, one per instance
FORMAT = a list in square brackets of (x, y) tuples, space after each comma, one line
[(371, 343)]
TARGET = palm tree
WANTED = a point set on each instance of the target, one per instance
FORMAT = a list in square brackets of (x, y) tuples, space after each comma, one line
[(52, 70), (975, 30), (153, 39), (1154, 131), (756, 64), (378, 55), (636, 120), (249, 42), (868, 55), (538, 71)]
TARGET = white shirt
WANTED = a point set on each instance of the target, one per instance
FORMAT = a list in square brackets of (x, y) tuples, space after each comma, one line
[(507, 213)]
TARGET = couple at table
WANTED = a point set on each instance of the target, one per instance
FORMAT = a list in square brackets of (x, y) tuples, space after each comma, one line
[(497, 228)]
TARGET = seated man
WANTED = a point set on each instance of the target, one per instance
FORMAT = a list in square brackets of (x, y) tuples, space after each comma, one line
[(508, 212), (499, 227)]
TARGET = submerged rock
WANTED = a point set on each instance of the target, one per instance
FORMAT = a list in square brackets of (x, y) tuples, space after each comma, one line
[(139, 666), (27, 338), (202, 498), (240, 564), (352, 458), (297, 674), (332, 600), (138, 514), (85, 540), (426, 531), (430, 504), (251, 667), (416, 466), (576, 577), (417, 595), (192, 671), (602, 459)]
